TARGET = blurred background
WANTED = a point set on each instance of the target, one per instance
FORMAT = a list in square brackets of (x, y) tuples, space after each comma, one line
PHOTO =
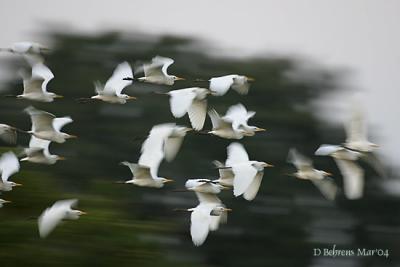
[(309, 58)]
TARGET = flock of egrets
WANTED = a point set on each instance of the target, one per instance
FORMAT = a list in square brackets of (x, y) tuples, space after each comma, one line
[(238, 173)]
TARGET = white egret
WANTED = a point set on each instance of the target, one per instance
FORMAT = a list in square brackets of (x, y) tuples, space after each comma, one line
[(164, 141), (35, 85), (38, 152), (226, 175), (52, 216), (156, 72), (142, 176), (2, 202), (306, 171), (9, 133), (221, 85), (210, 213), (356, 130), (111, 92), (248, 173), (9, 165), (192, 101), (234, 124), (353, 174), (46, 126)]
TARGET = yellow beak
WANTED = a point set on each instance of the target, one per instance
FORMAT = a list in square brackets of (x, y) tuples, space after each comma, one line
[(58, 96), (61, 158), (268, 165), (260, 130), (73, 136), (251, 79), (179, 79), (169, 181), (7, 201), (227, 209), (131, 97), (17, 184)]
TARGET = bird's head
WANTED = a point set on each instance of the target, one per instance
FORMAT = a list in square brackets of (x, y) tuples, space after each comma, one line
[(176, 78), (217, 211), (127, 97), (3, 201)]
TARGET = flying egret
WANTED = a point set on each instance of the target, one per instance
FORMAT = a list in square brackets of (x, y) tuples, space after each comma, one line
[(210, 213), (9, 165), (9, 133), (356, 131), (164, 141), (239, 83), (111, 92), (226, 175), (2, 202), (35, 85), (156, 72), (248, 173), (38, 152), (46, 126), (234, 124), (353, 174), (306, 171), (52, 216), (142, 176), (192, 101)]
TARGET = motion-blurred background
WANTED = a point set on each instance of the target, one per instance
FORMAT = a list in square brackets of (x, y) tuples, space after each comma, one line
[(308, 58)]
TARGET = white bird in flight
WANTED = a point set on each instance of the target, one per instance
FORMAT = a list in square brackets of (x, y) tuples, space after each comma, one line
[(111, 92), (38, 152), (248, 173), (52, 216), (2, 202), (142, 176), (46, 126), (210, 213), (346, 160), (156, 72), (220, 85), (306, 171), (26, 47), (356, 131), (9, 133), (164, 141), (192, 101), (234, 124), (9, 165), (226, 176), (35, 85)]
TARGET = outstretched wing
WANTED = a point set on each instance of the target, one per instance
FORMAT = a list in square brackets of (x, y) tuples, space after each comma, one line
[(138, 171), (220, 85), (8, 134), (252, 190), (236, 154), (301, 162), (58, 123), (180, 101), (115, 84), (200, 224), (244, 177), (197, 113), (41, 120), (356, 129), (327, 187), (353, 178), (9, 165)]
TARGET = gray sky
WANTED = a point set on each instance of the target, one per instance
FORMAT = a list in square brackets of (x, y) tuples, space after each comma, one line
[(362, 35)]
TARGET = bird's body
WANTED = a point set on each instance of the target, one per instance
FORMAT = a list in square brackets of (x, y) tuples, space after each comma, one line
[(46, 126), (192, 101), (9, 165), (111, 92), (142, 176), (306, 171), (346, 160), (220, 85), (35, 86), (234, 124), (248, 174), (164, 141), (156, 71), (226, 175), (8, 134), (52, 216), (210, 213), (38, 152)]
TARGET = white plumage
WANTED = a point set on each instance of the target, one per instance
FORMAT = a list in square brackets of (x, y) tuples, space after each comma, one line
[(142, 176), (38, 151), (52, 216), (220, 85), (192, 101), (156, 71), (9, 165)]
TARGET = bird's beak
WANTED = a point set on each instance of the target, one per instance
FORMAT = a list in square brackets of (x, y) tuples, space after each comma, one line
[(72, 136), (260, 129), (375, 145), (131, 97), (61, 158), (82, 212), (267, 165), (225, 187), (7, 201), (179, 79), (226, 209), (17, 184), (58, 96), (169, 181), (328, 174), (189, 129), (251, 79)]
